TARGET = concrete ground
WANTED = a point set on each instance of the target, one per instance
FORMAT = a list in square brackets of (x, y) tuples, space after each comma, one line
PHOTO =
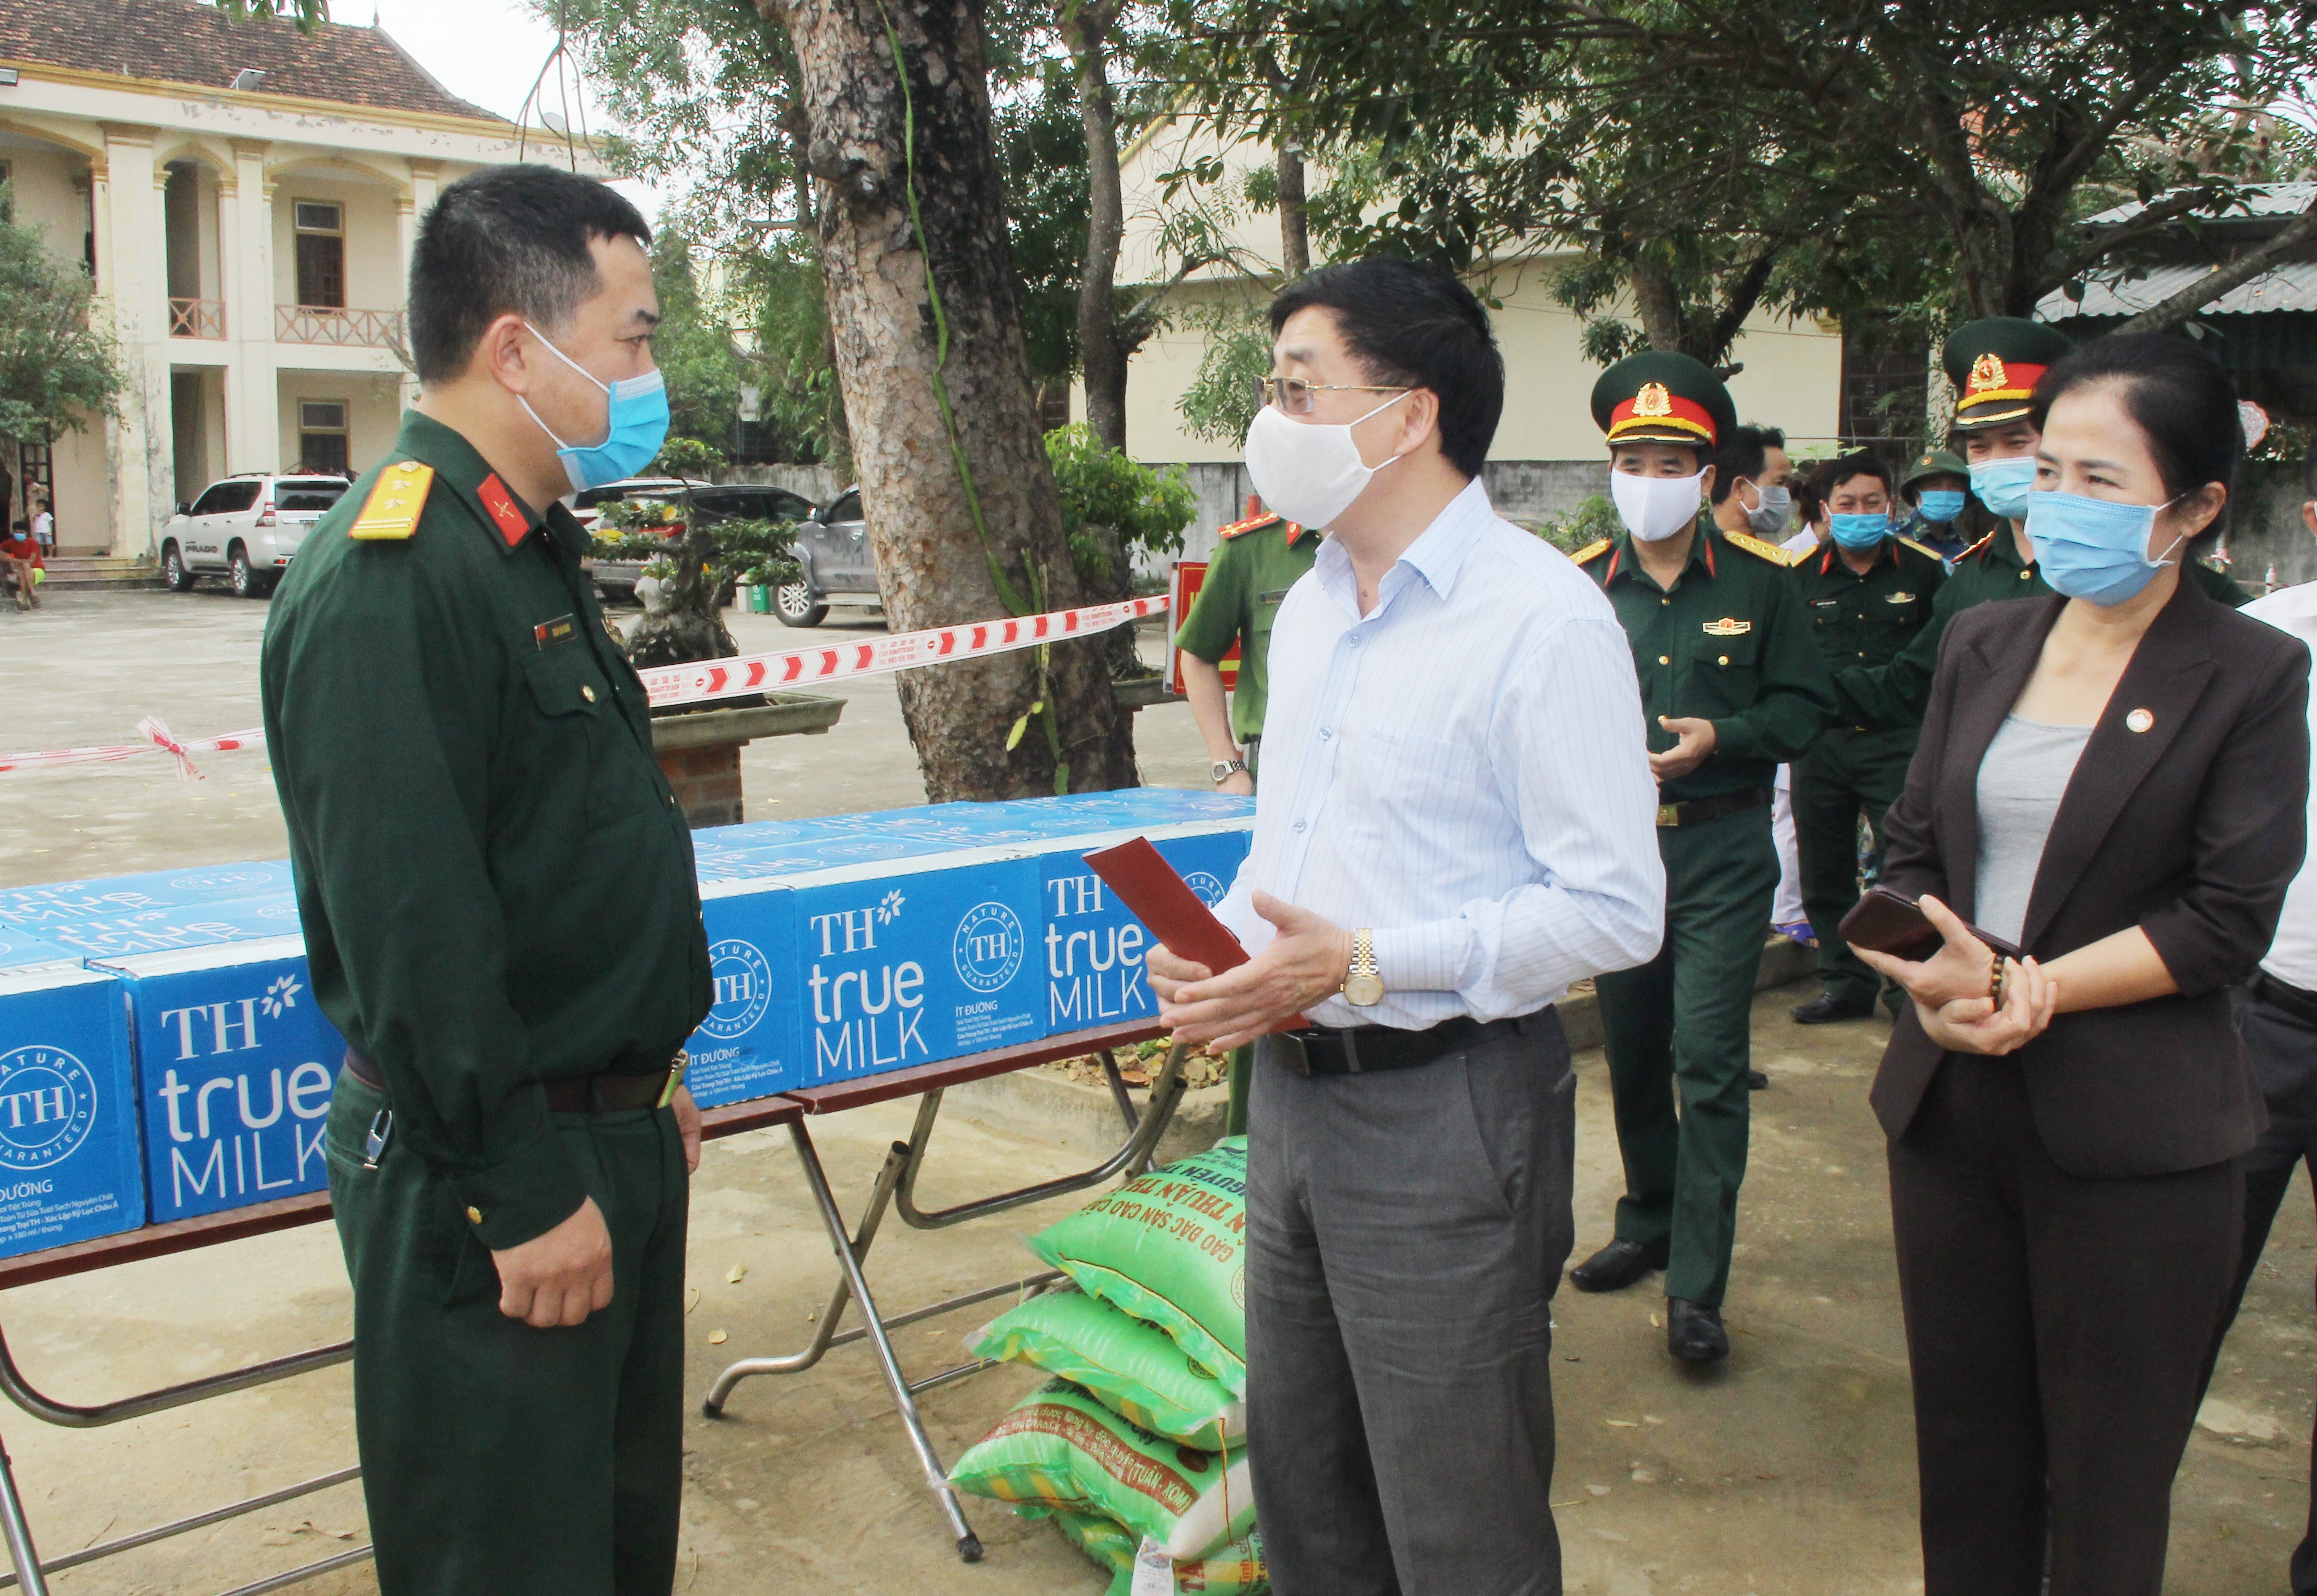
[(1788, 1471)]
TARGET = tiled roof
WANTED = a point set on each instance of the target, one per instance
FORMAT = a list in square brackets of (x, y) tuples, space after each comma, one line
[(188, 43)]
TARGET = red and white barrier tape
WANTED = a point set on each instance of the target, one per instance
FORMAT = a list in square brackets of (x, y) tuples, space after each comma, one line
[(709, 679), (938, 645)]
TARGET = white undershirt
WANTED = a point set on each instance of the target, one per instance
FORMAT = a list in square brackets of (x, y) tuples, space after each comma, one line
[(2293, 956)]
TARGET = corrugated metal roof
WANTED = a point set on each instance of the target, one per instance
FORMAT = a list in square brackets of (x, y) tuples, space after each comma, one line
[(2270, 199), (2291, 286)]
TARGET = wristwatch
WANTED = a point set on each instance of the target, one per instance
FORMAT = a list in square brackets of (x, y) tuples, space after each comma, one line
[(1222, 770), (1363, 987)]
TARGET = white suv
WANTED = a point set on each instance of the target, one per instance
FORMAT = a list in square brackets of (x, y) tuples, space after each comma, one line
[(246, 528)]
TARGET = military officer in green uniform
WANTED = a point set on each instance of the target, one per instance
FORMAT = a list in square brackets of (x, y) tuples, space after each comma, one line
[(497, 888), (1258, 561), (1937, 490), (1731, 685), (1867, 593), (1994, 364)]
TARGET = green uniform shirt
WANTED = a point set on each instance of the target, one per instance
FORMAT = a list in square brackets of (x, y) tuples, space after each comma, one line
[(1895, 694), (1861, 622), (496, 881), (1730, 644), (1251, 573)]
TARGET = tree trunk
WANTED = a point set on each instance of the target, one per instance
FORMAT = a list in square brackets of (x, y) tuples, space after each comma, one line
[(962, 517), (1103, 351), (1660, 305), (1294, 232)]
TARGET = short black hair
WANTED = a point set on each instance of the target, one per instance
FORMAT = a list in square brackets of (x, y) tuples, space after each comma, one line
[(1744, 454), (1410, 323), (513, 237), (2182, 400), (1834, 473), (2309, 468)]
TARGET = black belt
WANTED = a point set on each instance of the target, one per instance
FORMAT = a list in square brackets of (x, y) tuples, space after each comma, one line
[(583, 1094), (2280, 994), (1697, 811), (1365, 1050)]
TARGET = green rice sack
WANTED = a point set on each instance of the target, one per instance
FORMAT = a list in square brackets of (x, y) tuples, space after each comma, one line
[(1135, 1368), (1059, 1449), (1235, 1571), (1166, 1247)]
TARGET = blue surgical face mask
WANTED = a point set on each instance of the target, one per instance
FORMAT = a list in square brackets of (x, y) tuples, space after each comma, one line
[(2093, 549), (2003, 485), (1941, 505), (1861, 530), (635, 425)]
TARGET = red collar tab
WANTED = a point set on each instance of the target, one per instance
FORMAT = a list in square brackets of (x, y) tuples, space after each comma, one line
[(1294, 531), (505, 512)]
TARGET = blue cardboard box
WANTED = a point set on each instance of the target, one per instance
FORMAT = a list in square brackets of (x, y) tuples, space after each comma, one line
[(827, 974), (161, 929), (1092, 945), (113, 896), (21, 948), (69, 1162), (835, 850), (235, 1064)]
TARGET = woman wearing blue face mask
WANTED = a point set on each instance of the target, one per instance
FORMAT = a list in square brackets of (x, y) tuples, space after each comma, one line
[(2115, 779)]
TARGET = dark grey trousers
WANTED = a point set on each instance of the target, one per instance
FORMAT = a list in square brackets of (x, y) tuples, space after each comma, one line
[(1406, 1230)]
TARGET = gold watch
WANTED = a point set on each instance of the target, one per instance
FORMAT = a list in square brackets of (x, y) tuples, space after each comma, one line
[(1363, 987)]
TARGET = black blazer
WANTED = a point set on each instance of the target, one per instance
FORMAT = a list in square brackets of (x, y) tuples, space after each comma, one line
[(2190, 829)]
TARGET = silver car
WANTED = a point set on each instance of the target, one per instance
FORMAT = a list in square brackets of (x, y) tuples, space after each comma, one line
[(833, 547), (246, 529)]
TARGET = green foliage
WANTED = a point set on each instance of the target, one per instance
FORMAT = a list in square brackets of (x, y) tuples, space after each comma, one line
[(1042, 155), (1220, 402), (688, 458), (759, 553), (57, 371), (1146, 511), (695, 351), (1588, 523)]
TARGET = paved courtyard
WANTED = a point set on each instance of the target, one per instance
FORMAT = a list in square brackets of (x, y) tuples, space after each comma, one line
[(1788, 1471)]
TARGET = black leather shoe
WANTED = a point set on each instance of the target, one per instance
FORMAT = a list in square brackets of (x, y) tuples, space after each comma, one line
[(1694, 1332), (1757, 1082), (1825, 1009), (1619, 1265)]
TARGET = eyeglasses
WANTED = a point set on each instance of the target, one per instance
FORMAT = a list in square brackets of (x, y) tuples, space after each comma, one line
[(1293, 395)]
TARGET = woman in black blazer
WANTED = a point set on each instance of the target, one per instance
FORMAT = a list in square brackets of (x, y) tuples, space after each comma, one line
[(2116, 782)]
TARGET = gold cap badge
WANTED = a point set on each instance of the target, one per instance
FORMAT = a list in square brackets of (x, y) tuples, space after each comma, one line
[(1654, 400), (1986, 374)]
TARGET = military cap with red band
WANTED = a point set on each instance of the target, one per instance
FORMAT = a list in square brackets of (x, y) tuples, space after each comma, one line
[(1995, 364), (1657, 396)]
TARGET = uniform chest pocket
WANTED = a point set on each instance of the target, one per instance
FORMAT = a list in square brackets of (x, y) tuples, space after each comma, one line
[(566, 681), (580, 755), (1721, 674)]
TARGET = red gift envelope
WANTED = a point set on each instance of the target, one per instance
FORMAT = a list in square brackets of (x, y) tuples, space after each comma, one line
[(1164, 902)]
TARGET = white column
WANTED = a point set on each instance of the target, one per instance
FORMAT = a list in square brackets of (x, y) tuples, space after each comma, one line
[(252, 405), (131, 275), (425, 187)]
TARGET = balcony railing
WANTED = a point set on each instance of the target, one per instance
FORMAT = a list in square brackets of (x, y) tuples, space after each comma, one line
[(324, 324), (196, 319)]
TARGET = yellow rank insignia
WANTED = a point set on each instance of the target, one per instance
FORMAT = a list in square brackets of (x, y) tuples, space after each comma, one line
[(1926, 553), (1898, 598), (1591, 551), (1728, 626), (1762, 550), (396, 499)]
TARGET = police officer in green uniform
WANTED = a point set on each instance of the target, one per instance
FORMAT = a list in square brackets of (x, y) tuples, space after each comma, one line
[(1731, 685), (1869, 592), (1994, 364), (1258, 561), (498, 893)]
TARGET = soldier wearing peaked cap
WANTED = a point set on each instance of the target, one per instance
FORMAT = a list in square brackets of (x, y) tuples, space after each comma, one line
[(497, 888), (1994, 364), (1258, 559), (1732, 685)]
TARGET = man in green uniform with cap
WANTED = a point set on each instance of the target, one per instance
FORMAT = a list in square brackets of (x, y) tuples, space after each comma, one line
[(1994, 363), (497, 888), (1867, 593), (1258, 561), (1936, 489), (1731, 685)]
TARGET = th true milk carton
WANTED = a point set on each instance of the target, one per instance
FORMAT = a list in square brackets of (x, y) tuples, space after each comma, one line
[(113, 897), (18, 948), (68, 1164), (1092, 946), (173, 927), (235, 1063), (747, 1047)]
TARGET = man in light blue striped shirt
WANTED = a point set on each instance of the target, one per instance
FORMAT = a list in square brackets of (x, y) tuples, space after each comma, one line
[(1456, 822)]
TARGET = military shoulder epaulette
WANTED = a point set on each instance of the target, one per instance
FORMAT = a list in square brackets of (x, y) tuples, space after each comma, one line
[(1592, 552), (1975, 548), (1760, 550), (396, 499), (1252, 523), (1925, 553)]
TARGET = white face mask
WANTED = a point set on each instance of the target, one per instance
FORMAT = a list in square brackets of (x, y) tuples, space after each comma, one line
[(1653, 509), (1769, 516), (1307, 472)]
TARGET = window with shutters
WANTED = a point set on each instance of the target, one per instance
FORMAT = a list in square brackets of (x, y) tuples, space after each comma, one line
[(321, 247)]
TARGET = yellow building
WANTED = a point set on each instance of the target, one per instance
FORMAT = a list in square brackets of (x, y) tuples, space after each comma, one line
[(246, 198), (1548, 455)]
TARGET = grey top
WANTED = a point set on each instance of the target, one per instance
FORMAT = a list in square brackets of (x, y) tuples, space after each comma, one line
[(2021, 781)]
